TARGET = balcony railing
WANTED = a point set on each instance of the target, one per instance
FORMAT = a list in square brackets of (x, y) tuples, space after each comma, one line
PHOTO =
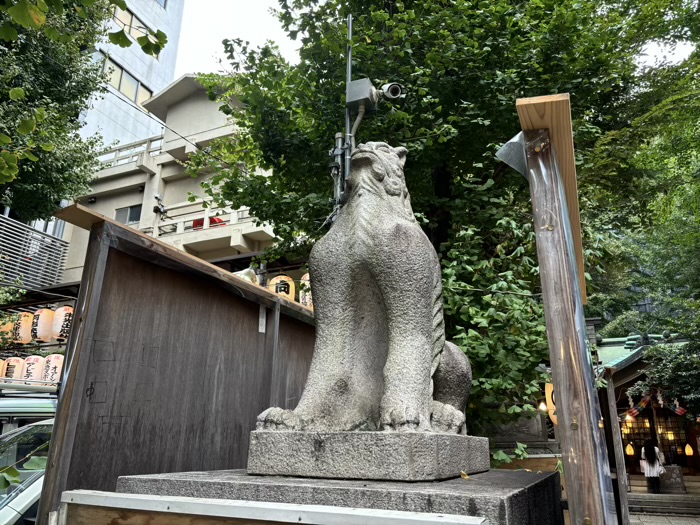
[(130, 152), (33, 258), (197, 220)]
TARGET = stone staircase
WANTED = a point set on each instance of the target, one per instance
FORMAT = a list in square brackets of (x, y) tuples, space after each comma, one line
[(664, 504)]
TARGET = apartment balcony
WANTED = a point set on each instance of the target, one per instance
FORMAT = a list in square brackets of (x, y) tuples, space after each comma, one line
[(28, 257), (211, 233)]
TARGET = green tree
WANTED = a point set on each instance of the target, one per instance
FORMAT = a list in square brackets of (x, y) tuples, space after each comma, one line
[(463, 63), (46, 78), (673, 372)]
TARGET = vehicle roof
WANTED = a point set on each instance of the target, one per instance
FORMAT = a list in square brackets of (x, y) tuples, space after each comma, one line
[(27, 405)]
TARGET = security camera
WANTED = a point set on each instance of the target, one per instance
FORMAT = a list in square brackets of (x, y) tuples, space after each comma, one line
[(156, 196), (393, 90)]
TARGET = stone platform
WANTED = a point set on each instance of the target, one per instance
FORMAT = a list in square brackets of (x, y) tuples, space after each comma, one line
[(389, 456), (504, 497)]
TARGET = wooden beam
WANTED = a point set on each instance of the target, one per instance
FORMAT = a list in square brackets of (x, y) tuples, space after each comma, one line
[(553, 112), (141, 245)]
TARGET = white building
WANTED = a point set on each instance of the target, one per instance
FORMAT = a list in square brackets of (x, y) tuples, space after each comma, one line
[(135, 76), (133, 173)]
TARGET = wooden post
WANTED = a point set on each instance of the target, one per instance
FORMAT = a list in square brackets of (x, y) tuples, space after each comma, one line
[(586, 469), (619, 450)]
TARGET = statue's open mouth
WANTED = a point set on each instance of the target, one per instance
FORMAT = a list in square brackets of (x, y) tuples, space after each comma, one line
[(363, 154)]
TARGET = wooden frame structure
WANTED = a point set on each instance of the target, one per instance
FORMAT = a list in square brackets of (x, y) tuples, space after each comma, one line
[(82, 507), (169, 362)]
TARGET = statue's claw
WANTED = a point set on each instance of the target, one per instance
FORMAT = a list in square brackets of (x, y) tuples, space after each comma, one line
[(446, 418), (276, 418)]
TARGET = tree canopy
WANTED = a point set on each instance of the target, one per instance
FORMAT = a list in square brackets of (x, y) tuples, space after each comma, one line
[(464, 63)]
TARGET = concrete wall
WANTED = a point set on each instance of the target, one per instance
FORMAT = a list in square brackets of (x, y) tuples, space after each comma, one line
[(195, 115), (116, 117)]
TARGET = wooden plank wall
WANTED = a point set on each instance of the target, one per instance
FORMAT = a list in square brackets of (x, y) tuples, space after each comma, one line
[(174, 372)]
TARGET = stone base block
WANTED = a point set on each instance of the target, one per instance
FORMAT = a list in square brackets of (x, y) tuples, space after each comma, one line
[(392, 456), (504, 497)]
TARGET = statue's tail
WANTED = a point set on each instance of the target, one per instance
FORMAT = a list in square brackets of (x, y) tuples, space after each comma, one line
[(438, 319)]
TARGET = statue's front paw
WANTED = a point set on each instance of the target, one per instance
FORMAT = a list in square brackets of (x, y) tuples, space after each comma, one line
[(275, 418), (400, 419), (446, 418)]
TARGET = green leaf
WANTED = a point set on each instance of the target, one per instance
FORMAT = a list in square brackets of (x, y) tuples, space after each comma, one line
[(27, 15), (119, 38), (16, 93), (28, 154), (5, 139), (7, 32), (26, 126), (9, 157), (47, 146), (119, 3), (36, 463), (40, 114)]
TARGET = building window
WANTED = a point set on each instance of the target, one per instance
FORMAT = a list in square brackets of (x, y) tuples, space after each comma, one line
[(130, 23), (126, 83), (128, 215)]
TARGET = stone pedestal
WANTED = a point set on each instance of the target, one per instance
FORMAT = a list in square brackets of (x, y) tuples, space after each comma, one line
[(504, 497), (391, 456), (672, 480)]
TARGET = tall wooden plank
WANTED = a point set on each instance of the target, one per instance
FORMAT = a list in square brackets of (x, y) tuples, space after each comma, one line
[(73, 385), (553, 113), (619, 450), (584, 454)]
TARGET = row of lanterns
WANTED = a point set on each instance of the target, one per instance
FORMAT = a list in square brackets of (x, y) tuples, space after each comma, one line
[(33, 368), (283, 285), (43, 326)]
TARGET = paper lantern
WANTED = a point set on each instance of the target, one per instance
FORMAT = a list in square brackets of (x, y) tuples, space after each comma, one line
[(688, 450), (53, 368), (62, 320), (282, 285), (551, 406), (13, 367), (33, 369), (23, 328), (629, 449), (41, 325), (305, 298)]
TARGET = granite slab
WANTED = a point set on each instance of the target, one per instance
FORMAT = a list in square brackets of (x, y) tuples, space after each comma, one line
[(390, 456), (504, 497)]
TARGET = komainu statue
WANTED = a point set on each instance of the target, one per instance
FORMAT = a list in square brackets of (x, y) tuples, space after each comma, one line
[(381, 361)]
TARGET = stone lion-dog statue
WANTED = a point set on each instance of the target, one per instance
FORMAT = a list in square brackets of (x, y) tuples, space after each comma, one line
[(380, 360)]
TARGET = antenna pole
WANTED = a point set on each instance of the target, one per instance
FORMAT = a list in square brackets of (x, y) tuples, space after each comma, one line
[(348, 128)]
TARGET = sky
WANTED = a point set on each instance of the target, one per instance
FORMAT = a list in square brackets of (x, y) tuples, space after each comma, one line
[(206, 23)]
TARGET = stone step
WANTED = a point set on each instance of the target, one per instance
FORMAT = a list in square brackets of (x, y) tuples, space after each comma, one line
[(676, 504)]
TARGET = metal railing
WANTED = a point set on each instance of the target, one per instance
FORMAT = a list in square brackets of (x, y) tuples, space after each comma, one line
[(33, 258), (197, 220), (130, 152)]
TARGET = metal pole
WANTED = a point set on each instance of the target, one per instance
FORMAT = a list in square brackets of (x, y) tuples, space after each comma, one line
[(588, 481), (348, 129)]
